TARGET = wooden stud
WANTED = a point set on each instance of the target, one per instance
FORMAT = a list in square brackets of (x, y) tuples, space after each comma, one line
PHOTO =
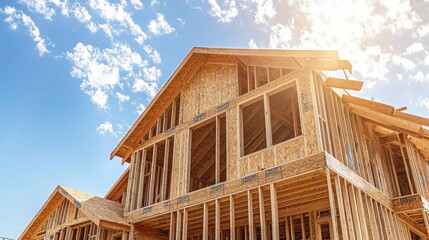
[(217, 151), (178, 224), (332, 206), (268, 130), (303, 227), (232, 216), (347, 207), (152, 175), (205, 221), (274, 212), (262, 214), (165, 170), (185, 224), (172, 226), (250, 212), (343, 219), (140, 196), (217, 220)]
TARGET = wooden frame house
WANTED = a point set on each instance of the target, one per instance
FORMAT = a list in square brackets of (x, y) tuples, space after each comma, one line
[(256, 144)]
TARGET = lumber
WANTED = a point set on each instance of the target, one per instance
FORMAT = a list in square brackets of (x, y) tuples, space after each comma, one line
[(257, 144), (344, 83)]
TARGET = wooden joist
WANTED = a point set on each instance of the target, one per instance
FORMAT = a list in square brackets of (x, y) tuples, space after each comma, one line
[(390, 121), (372, 105), (344, 84)]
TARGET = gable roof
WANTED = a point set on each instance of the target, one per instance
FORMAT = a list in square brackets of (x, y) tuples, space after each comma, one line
[(103, 212), (298, 59)]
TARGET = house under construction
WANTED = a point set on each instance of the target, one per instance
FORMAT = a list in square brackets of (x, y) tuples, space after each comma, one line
[(257, 144)]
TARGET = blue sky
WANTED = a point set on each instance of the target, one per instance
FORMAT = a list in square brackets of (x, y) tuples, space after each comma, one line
[(76, 74)]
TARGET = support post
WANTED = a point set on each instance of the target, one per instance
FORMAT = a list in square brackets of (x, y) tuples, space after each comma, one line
[(274, 212), (250, 212), (332, 206), (232, 217)]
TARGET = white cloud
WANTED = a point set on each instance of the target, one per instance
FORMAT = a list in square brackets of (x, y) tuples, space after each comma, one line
[(264, 10), (151, 73), (140, 108), (137, 4), (16, 18), (425, 103), (83, 16), (419, 76), (413, 48), (122, 98), (115, 14), (252, 44), (154, 2), (225, 15), (181, 21), (160, 26), (426, 61), (281, 35), (142, 86), (99, 97), (423, 30), (106, 128), (45, 8), (399, 76), (399, 15), (153, 54), (404, 62), (101, 70)]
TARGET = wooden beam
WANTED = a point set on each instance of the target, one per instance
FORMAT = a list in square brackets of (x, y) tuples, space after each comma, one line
[(165, 170), (329, 65), (264, 234), (344, 84), (232, 216), (185, 224), (250, 217), (217, 151), (172, 226), (152, 175), (274, 212), (206, 221), (342, 212), (320, 54), (413, 118), (217, 219), (178, 224), (372, 105), (332, 206)]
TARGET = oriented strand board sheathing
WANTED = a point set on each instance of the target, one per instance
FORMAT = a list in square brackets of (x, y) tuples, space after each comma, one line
[(290, 150), (308, 114), (212, 85), (231, 136)]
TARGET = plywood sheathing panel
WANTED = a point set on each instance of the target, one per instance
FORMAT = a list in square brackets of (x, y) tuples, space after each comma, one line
[(179, 161), (211, 86), (232, 144), (316, 59), (306, 98)]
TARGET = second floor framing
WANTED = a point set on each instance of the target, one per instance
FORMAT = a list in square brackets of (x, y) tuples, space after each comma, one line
[(233, 118)]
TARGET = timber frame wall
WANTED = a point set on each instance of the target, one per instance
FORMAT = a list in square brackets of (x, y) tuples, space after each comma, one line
[(338, 176), (259, 144)]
